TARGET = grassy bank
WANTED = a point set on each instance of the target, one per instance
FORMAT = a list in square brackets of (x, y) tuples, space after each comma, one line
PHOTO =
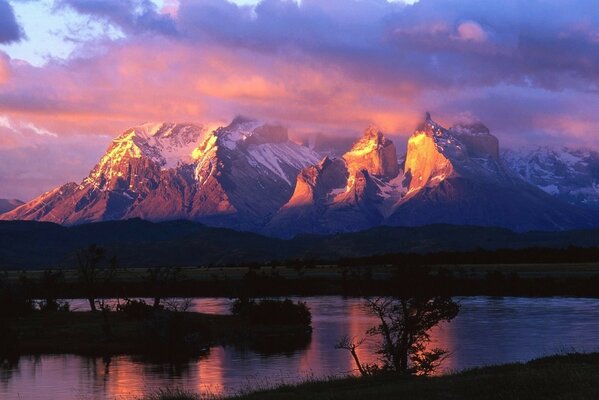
[(574, 376), (575, 279), (86, 333)]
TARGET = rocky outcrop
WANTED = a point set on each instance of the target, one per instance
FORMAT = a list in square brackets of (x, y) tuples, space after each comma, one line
[(373, 153), (340, 194)]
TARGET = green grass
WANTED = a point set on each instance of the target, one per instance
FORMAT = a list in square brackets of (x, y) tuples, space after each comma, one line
[(568, 377)]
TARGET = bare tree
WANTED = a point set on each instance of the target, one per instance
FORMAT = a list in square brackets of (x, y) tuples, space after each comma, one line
[(92, 273), (351, 344), (159, 278)]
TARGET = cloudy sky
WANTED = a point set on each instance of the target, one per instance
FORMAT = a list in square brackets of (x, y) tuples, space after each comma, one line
[(75, 73)]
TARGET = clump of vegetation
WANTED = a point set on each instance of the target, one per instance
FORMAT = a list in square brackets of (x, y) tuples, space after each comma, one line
[(13, 303), (159, 279), (53, 305), (173, 331), (273, 312), (135, 309)]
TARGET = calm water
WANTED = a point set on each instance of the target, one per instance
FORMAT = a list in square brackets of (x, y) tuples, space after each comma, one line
[(487, 331)]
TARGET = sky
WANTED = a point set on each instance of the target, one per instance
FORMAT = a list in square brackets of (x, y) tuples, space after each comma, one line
[(76, 73)]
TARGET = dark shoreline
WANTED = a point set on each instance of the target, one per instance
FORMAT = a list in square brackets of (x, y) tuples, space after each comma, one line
[(68, 332), (522, 280), (572, 376)]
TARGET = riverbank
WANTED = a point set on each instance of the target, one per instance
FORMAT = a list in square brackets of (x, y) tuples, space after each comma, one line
[(526, 280), (572, 376), (162, 332)]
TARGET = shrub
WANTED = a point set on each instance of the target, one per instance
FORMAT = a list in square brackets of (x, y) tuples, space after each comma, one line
[(135, 309), (175, 334), (13, 303), (273, 312), (53, 305)]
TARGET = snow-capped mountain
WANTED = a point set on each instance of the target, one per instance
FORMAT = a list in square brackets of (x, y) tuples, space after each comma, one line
[(455, 176), (234, 176), (449, 176), (566, 173), (250, 176), (9, 204)]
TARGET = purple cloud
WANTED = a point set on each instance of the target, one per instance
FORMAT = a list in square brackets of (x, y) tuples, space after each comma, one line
[(10, 30), (132, 16)]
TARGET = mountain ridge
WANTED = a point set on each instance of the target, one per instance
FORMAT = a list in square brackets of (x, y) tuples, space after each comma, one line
[(249, 176)]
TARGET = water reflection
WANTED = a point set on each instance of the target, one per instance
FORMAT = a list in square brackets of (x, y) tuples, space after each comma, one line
[(487, 331)]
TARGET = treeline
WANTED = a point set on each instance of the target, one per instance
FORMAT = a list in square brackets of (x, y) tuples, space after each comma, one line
[(534, 255), (362, 280)]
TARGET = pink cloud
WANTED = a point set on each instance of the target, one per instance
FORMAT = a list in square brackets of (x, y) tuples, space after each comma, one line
[(471, 31), (5, 69)]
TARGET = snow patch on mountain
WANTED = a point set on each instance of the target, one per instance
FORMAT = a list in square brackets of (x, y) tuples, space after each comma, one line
[(274, 156), (567, 173)]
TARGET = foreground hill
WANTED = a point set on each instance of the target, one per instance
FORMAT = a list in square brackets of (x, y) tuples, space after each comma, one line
[(139, 243)]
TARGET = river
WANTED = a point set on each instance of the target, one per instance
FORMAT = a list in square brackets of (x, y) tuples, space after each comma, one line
[(488, 330)]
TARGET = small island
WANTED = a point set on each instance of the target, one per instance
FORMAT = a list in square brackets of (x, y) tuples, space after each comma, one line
[(134, 327)]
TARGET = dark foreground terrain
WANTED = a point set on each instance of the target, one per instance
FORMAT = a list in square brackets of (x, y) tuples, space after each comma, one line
[(138, 243), (136, 328), (564, 377)]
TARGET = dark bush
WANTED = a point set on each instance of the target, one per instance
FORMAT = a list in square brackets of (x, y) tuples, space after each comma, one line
[(175, 334), (53, 305), (9, 340), (136, 309), (273, 312), (14, 303)]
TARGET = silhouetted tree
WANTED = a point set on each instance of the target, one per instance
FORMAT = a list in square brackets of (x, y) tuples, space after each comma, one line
[(159, 278), (50, 284), (404, 326), (351, 345), (404, 329), (93, 271)]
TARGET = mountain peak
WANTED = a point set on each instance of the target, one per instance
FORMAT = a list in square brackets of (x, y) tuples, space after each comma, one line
[(9, 204), (431, 150), (477, 138), (374, 153)]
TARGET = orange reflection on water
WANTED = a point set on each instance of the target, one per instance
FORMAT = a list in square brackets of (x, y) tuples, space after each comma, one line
[(210, 373)]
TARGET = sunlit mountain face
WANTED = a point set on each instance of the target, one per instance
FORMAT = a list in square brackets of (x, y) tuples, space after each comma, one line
[(248, 175)]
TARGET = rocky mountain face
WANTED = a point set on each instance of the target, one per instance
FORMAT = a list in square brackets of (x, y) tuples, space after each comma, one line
[(250, 176), (456, 176), (453, 176), (340, 194), (234, 176), (571, 175), (9, 204)]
